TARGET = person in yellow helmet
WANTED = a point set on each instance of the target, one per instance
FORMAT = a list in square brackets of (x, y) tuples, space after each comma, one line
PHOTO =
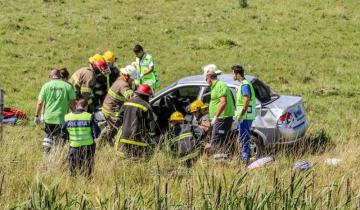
[(114, 73), (84, 79), (184, 138), (200, 113), (100, 88)]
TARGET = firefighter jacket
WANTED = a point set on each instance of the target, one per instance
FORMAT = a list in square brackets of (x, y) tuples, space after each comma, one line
[(184, 138), (103, 84), (83, 81), (137, 119)]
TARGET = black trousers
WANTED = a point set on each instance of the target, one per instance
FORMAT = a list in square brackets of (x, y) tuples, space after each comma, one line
[(82, 159), (52, 136), (220, 132)]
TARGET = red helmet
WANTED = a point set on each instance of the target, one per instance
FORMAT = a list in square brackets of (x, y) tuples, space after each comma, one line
[(144, 89), (101, 65)]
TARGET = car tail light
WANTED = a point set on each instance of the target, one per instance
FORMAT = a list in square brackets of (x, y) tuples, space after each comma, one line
[(285, 119)]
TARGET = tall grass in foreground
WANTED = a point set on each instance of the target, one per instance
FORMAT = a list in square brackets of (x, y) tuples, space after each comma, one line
[(205, 192)]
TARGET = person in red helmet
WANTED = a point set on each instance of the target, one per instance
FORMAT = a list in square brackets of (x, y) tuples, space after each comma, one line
[(84, 79), (138, 124)]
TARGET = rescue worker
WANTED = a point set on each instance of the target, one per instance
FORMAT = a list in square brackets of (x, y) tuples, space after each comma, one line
[(146, 68), (138, 125), (245, 111), (221, 108), (84, 80), (184, 138), (114, 72), (80, 129), (56, 96), (200, 113), (119, 92)]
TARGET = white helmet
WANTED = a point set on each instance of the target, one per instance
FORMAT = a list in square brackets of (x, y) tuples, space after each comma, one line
[(130, 71)]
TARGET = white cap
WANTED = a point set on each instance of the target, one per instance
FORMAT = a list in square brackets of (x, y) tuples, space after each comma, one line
[(210, 68), (130, 71)]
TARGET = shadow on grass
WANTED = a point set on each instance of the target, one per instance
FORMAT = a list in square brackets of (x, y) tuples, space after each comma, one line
[(315, 143)]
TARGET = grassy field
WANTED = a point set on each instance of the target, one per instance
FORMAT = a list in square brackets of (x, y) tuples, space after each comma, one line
[(307, 48)]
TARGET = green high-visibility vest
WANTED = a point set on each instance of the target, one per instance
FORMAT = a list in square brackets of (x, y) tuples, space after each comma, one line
[(251, 112), (79, 128), (143, 65)]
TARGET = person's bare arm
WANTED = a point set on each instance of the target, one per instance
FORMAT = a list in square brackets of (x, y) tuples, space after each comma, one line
[(221, 106), (39, 106), (246, 105)]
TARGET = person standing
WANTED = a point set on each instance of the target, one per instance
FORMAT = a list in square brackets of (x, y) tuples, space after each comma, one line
[(119, 93), (245, 111), (80, 129), (221, 108), (114, 72), (146, 68), (138, 124), (56, 97)]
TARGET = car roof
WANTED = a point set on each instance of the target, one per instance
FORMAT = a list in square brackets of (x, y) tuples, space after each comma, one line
[(199, 79)]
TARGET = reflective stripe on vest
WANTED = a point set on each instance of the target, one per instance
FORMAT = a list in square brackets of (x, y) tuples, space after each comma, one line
[(116, 96), (137, 143), (79, 128), (181, 137), (85, 90), (140, 106), (251, 112)]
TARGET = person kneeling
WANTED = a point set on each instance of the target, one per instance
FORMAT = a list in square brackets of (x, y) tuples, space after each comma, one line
[(184, 138), (81, 129)]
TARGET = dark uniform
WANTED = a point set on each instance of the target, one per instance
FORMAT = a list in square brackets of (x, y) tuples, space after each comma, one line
[(81, 129), (184, 138), (103, 84), (138, 127), (119, 92), (83, 81)]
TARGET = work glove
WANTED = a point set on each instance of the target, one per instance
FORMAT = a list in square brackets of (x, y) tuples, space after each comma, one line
[(141, 75), (37, 120), (213, 121)]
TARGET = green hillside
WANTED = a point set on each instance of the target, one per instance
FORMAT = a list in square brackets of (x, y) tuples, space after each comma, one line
[(307, 48)]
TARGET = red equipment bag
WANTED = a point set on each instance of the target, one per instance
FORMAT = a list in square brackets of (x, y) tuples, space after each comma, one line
[(14, 112)]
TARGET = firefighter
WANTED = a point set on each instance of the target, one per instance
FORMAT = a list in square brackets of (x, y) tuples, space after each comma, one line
[(138, 125), (119, 92), (184, 138), (114, 72), (84, 79), (200, 113), (146, 67), (81, 130)]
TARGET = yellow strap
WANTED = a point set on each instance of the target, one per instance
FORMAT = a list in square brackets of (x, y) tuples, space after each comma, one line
[(108, 81), (140, 106), (137, 143), (152, 133)]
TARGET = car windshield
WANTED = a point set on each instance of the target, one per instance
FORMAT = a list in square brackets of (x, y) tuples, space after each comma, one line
[(263, 92), (165, 89)]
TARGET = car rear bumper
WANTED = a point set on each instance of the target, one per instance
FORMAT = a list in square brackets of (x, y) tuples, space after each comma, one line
[(292, 135)]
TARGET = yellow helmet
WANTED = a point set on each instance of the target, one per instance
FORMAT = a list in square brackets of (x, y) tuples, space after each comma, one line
[(95, 58), (176, 116), (109, 56), (197, 105)]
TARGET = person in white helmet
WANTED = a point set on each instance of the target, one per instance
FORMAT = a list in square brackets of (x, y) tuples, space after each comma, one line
[(118, 94)]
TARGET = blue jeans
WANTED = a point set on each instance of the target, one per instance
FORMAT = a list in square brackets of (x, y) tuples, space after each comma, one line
[(244, 137)]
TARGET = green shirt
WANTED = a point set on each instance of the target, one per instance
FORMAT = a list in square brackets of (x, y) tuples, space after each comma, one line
[(56, 96), (218, 90)]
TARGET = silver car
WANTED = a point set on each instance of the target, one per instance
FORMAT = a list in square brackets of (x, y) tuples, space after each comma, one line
[(279, 119)]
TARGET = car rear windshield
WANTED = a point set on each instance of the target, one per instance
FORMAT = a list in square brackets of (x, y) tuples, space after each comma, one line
[(263, 92)]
